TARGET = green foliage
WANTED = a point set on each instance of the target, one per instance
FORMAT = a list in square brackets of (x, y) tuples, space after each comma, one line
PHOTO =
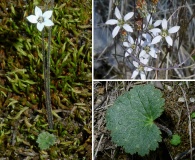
[(45, 140), (176, 140), (131, 119), (193, 115), (21, 76)]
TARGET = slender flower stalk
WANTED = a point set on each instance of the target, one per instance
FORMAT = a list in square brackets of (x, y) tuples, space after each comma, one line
[(48, 95), (46, 72), (43, 20)]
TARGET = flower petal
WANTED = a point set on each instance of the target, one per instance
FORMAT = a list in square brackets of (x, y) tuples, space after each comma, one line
[(155, 30), (117, 13), (144, 61), (126, 44), (127, 28), (143, 54), (40, 26), (112, 21), (128, 16), (48, 22), (156, 39), (130, 39), (115, 31), (135, 73), (142, 75), (153, 52), (174, 29), (128, 52), (38, 11), (141, 42), (47, 14), (32, 18), (169, 40), (164, 24), (147, 69), (148, 37), (149, 18), (157, 23), (135, 64)]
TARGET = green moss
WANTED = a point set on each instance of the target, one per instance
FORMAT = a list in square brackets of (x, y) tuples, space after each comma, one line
[(21, 77)]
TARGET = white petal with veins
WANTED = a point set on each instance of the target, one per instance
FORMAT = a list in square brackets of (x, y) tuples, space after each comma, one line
[(135, 73), (126, 44), (130, 39), (38, 11), (32, 18), (127, 28), (169, 40), (143, 76), (40, 26), (174, 29), (135, 64), (115, 31), (164, 24), (157, 23), (48, 23), (117, 13), (112, 21), (128, 16), (156, 39), (47, 14)]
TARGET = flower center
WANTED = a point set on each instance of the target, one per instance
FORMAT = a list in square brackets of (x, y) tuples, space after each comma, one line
[(150, 26), (121, 22), (147, 49), (133, 46), (40, 19), (140, 68), (164, 33)]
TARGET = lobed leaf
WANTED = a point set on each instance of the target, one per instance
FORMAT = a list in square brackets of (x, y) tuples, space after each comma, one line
[(45, 140), (131, 119)]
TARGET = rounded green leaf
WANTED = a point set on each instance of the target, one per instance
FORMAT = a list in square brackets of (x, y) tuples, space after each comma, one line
[(45, 140), (131, 119), (176, 139)]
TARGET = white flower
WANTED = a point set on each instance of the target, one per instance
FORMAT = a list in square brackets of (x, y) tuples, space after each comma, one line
[(143, 55), (41, 19), (151, 27), (120, 22), (132, 45), (164, 33), (149, 22), (148, 48), (140, 69)]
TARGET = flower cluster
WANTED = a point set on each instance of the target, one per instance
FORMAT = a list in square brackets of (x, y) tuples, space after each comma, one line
[(144, 47)]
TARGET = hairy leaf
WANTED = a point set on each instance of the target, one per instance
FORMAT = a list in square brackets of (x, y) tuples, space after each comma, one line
[(131, 119)]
